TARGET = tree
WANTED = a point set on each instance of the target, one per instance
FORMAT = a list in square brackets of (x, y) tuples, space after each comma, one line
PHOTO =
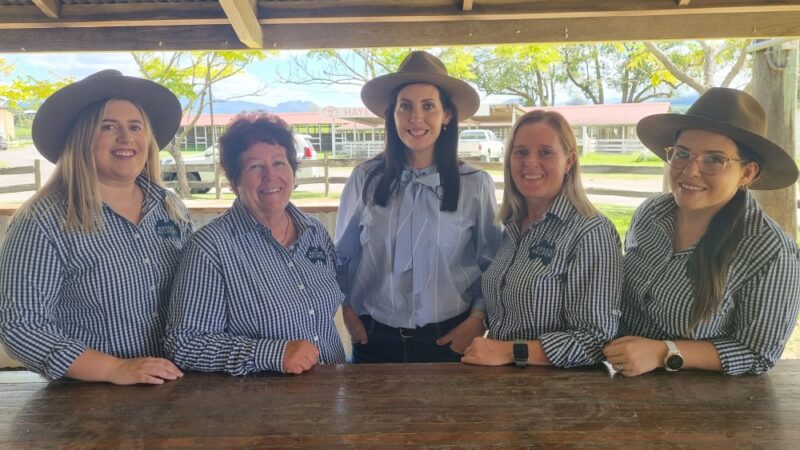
[(27, 91), (696, 63), (357, 66), (627, 68), (190, 75), (527, 71)]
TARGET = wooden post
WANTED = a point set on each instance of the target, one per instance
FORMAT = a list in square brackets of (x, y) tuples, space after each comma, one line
[(37, 173), (217, 182), (327, 176), (775, 87)]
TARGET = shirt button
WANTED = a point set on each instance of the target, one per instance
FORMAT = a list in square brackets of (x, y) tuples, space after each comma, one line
[(137, 236), (146, 260), (290, 265), (316, 338), (311, 311), (301, 287), (152, 288)]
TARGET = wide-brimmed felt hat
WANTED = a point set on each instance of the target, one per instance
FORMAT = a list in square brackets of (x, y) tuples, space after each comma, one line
[(55, 118), (731, 113), (420, 67)]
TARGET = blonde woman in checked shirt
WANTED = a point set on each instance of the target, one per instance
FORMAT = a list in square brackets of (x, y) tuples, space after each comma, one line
[(711, 282), (87, 264), (552, 292)]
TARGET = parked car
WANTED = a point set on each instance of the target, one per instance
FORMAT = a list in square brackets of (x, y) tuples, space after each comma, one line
[(481, 144), (303, 146), (3, 142)]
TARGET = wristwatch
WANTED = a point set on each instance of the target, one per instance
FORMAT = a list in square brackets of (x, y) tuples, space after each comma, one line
[(520, 352), (674, 360)]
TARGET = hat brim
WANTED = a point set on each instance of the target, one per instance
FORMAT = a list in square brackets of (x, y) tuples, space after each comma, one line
[(56, 117), (778, 169), (375, 93)]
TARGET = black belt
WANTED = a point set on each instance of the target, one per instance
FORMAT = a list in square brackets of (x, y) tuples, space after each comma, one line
[(431, 330)]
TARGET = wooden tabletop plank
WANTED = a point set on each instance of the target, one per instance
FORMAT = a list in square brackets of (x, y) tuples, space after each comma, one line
[(450, 405)]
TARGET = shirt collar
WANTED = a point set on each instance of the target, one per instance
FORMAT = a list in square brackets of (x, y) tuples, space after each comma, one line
[(561, 209), (245, 223)]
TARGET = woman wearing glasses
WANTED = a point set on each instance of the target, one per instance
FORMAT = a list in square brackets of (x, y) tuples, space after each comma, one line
[(711, 282)]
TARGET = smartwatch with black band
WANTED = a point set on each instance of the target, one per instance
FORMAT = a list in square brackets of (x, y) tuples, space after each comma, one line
[(520, 352), (674, 360)]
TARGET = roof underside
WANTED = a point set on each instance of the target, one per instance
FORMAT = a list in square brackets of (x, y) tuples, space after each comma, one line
[(102, 25)]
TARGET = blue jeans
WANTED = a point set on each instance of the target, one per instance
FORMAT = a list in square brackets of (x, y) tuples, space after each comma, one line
[(387, 344)]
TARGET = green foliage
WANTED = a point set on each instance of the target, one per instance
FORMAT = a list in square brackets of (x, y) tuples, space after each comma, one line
[(190, 75), (528, 71), (357, 66)]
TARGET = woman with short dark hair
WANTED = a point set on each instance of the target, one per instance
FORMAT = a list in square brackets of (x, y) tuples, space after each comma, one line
[(256, 289)]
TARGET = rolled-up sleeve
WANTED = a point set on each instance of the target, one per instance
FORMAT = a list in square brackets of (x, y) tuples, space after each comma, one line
[(31, 277), (590, 301), (766, 313), (197, 336)]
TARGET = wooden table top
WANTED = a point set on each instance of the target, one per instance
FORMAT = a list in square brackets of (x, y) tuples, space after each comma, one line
[(414, 405)]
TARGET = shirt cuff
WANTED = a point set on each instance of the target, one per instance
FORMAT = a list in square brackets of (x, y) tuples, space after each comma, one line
[(567, 350), (737, 359), (61, 357), (269, 355)]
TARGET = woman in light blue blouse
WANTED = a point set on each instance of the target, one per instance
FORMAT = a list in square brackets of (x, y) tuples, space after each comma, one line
[(88, 261), (711, 282), (416, 226)]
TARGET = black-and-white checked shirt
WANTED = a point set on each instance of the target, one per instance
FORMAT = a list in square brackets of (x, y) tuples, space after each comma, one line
[(240, 296), (559, 283), (62, 293), (761, 297)]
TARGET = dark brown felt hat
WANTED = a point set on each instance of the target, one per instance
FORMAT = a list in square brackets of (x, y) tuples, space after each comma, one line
[(420, 67), (55, 118), (731, 113)]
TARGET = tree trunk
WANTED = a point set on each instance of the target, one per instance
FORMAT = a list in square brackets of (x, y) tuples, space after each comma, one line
[(776, 90)]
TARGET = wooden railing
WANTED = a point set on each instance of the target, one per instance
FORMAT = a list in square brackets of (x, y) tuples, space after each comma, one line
[(35, 169), (219, 181)]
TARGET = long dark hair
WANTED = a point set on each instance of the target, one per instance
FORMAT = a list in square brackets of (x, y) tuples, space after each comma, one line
[(709, 263), (393, 158)]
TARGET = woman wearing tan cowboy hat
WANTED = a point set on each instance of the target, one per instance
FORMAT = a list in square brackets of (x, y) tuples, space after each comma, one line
[(416, 227), (87, 263), (711, 282)]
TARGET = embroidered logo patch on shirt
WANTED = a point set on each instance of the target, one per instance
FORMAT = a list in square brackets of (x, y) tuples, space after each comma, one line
[(316, 254), (167, 229), (543, 250)]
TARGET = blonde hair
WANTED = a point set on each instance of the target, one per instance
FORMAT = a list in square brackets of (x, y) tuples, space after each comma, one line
[(75, 176), (514, 207)]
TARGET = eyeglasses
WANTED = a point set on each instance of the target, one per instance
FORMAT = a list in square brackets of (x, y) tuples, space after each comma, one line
[(707, 163)]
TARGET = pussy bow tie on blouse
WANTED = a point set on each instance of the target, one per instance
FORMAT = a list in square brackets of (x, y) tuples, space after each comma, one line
[(413, 240)]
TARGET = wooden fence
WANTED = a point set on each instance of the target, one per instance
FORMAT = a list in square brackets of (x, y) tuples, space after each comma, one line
[(219, 181), (35, 169), (328, 163)]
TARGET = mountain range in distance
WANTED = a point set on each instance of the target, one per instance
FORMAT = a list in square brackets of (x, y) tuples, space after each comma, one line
[(236, 106)]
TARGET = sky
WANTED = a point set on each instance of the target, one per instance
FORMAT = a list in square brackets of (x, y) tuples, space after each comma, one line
[(80, 65)]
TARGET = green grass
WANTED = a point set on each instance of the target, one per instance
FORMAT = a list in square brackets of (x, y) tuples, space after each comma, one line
[(620, 216), (629, 159)]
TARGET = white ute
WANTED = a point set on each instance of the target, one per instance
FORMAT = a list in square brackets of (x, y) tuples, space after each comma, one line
[(481, 144)]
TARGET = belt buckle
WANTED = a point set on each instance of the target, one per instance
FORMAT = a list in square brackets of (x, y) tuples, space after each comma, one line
[(406, 333)]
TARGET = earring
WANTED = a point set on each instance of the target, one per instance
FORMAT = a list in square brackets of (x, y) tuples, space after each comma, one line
[(444, 127)]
